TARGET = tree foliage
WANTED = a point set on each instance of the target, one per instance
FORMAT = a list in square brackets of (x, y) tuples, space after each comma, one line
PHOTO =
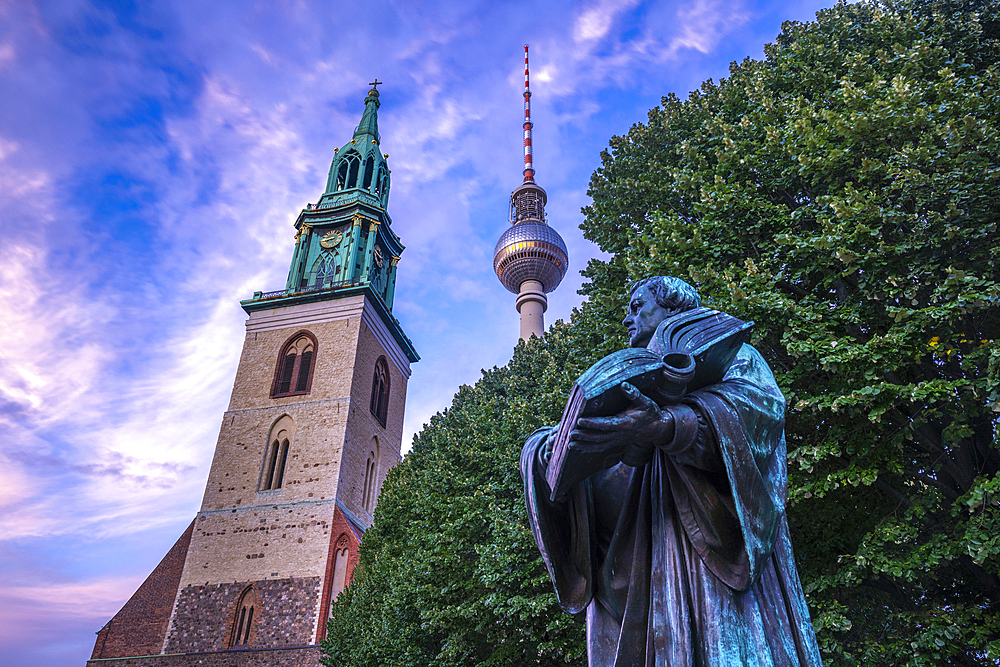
[(842, 193)]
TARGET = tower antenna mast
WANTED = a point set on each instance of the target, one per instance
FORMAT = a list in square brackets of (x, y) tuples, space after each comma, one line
[(529, 167)]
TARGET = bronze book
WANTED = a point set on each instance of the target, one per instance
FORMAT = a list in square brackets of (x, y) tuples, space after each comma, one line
[(701, 341)]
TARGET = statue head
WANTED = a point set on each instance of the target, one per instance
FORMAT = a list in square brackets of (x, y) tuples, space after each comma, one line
[(652, 300)]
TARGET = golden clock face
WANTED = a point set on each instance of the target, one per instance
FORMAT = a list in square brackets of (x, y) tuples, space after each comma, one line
[(331, 239)]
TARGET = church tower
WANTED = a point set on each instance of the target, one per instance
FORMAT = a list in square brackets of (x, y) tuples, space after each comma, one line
[(314, 423)]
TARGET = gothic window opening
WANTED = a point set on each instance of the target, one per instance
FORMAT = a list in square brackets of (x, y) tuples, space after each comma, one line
[(277, 459), (376, 270), (369, 168), (371, 477), (243, 622), (379, 181), (327, 267), (352, 178), (341, 556), (275, 464), (305, 365), (288, 367), (342, 175), (296, 362), (380, 391)]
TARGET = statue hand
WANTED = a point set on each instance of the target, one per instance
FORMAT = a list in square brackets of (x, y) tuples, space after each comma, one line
[(547, 446), (644, 422)]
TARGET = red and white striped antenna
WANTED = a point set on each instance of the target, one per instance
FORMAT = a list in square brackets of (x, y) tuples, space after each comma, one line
[(529, 167)]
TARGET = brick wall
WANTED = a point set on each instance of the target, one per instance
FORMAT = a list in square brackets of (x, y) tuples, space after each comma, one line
[(340, 532), (204, 615), (141, 625)]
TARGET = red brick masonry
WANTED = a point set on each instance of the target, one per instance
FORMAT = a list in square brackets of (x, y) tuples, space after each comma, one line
[(141, 625)]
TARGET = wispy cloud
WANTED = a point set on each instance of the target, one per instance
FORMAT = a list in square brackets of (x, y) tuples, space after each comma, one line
[(596, 21)]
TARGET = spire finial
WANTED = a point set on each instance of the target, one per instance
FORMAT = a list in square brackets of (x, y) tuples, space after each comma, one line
[(375, 84), (529, 167)]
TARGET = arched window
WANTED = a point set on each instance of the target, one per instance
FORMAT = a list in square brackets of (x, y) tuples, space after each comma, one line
[(294, 371), (379, 180), (243, 621), (342, 555), (369, 168), (352, 179), (380, 391), (279, 441), (327, 266), (371, 476), (342, 175)]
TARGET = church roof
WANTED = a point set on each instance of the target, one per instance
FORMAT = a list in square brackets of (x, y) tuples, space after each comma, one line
[(353, 521)]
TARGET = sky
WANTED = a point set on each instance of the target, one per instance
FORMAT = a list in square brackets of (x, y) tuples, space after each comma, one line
[(153, 160)]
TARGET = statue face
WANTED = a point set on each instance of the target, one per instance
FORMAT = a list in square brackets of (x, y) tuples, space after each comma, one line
[(644, 315)]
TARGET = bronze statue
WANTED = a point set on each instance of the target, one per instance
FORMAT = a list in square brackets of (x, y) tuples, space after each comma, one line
[(682, 558)]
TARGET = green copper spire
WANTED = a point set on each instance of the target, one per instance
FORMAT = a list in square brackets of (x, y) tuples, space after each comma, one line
[(359, 167), (369, 120), (345, 242)]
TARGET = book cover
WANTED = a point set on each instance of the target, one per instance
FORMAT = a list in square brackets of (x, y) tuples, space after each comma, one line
[(701, 343)]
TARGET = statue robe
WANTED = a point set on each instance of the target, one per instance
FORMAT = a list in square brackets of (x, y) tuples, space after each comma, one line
[(685, 561)]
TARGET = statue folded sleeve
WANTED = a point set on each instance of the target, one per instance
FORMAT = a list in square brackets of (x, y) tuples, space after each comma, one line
[(685, 560)]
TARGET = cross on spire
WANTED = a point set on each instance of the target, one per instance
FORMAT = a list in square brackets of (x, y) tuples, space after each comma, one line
[(374, 84)]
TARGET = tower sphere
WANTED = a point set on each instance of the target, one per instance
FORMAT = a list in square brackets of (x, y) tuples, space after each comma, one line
[(530, 250)]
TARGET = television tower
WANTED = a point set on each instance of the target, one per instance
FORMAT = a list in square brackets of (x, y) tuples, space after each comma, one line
[(530, 258)]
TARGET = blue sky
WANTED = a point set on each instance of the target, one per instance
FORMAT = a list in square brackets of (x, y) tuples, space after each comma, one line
[(153, 157)]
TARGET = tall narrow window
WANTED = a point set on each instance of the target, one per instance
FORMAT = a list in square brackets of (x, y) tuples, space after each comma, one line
[(342, 555), (243, 621), (279, 475), (352, 179), (304, 366), (296, 362), (275, 464), (379, 405), (369, 167), (272, 464), (368, 491), (342, 175), (287, 368)]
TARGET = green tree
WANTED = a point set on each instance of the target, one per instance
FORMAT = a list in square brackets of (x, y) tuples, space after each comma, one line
[(842, 193)]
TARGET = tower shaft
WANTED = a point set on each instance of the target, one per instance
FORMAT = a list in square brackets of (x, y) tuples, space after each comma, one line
[(531, 304)]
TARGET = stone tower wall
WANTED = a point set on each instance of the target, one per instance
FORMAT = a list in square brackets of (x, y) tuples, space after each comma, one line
[(280, 540)]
